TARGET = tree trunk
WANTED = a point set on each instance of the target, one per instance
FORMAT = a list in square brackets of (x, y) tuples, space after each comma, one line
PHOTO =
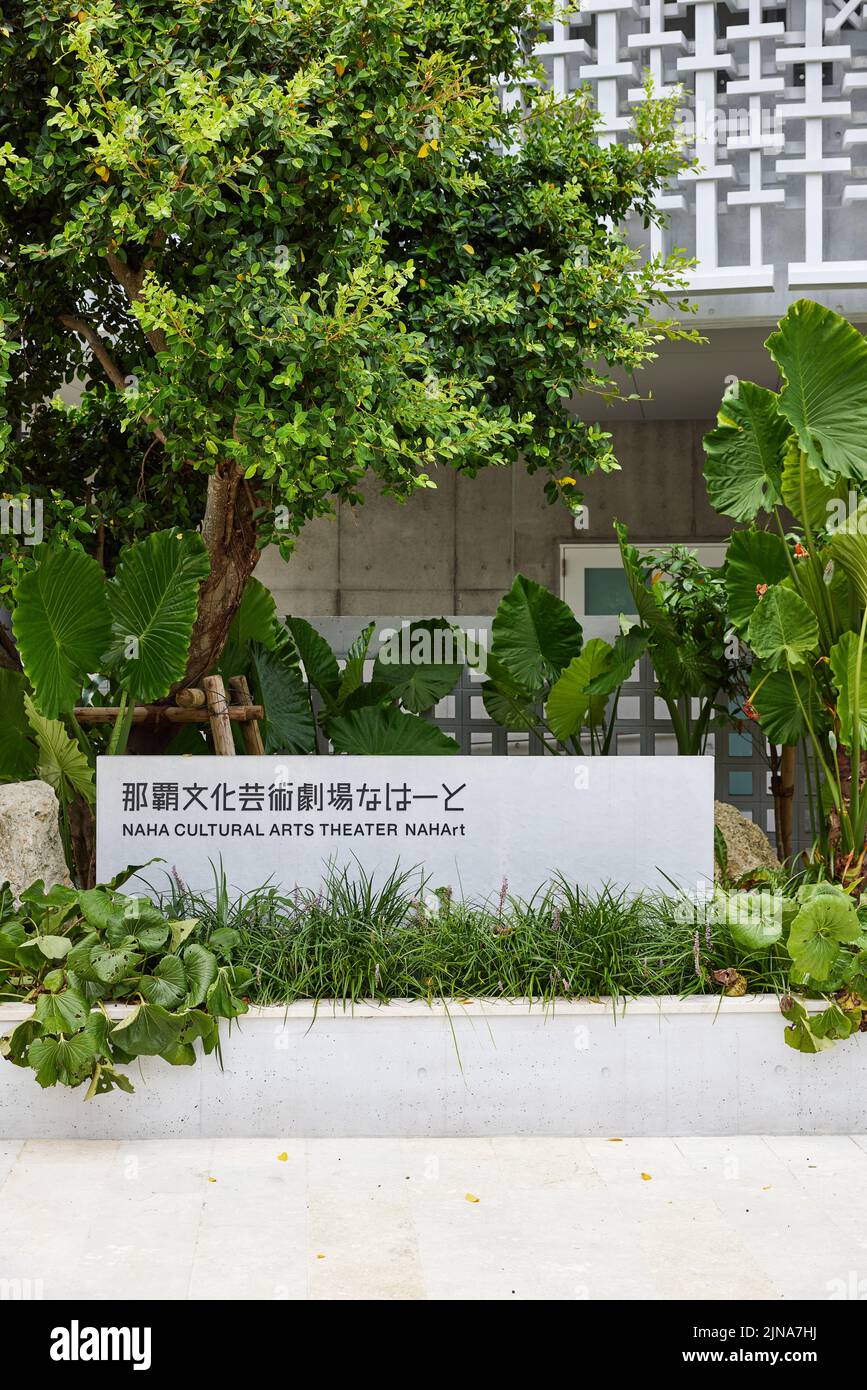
[(786, 801), (229, 532)]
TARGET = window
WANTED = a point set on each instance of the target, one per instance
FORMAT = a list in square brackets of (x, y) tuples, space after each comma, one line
[(594, 586)]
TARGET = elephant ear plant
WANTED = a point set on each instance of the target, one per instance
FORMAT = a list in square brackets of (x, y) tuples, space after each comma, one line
[(310, 701), (544, 680), (798, 598), (73, 953), (83, 638)]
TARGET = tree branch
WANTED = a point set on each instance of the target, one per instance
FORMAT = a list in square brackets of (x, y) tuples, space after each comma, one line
[(104, 358), (132, 281)]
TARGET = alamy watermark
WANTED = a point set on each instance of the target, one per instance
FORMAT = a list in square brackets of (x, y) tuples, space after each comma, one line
[(22, 518)]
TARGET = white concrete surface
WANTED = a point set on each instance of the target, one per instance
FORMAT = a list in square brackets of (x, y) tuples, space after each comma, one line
[(471, 1068), (756, 1218)]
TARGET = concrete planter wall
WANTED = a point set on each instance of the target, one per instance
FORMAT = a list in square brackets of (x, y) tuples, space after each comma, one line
[(664, 1067)]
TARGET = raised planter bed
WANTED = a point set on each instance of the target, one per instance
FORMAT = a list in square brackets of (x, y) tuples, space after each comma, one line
[(663, 1067)]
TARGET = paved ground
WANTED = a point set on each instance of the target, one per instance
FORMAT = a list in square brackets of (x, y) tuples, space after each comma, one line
[(450, 1218)]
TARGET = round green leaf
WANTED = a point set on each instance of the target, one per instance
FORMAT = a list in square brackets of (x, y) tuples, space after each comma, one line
[(420, 684), (62, 627), (817, 932)]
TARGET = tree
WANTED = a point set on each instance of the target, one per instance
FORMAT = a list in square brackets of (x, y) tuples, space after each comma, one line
[(282, 244)]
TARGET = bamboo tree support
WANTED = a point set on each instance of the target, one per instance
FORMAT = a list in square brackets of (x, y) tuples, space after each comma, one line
[(218, 712), (240, 693)]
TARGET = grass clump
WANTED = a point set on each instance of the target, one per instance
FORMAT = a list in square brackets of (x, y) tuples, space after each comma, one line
[(353, 940)]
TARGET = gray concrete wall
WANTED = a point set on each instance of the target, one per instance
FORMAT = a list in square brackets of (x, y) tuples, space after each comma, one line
[(456, 550)]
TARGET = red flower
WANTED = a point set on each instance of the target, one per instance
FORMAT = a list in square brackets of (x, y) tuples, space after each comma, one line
[(800, 552), (750, 710), (761, 590)]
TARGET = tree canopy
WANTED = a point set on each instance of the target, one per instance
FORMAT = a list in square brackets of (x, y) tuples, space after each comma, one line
[(282, 244)]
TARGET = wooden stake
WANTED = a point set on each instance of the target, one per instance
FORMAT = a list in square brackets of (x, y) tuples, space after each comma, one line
[(240, 693), (218, 711)]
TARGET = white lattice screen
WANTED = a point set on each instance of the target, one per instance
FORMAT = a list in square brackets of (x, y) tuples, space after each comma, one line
[(778, 97)]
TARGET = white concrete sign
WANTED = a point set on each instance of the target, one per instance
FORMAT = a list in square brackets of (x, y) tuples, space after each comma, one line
[(462, 822)]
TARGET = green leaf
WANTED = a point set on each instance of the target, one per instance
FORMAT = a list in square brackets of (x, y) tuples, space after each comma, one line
[(753, 558), (62, 626), (628, 649), (535, 635), (824, 362), (570, 703), (67, 1060), (148, 1031), (278, 685), (779, 713), (106, 1078), (153, 599), (167, 985), (848, 547), (804, 492), (320, 663), (60, 761), (200, 965), (221, 998), (113, 963), (181, 929), (817, 931), (844, 656), (783, 627), (255, 621), (17, 753), (419, 684), (648, 605), (389, 732), (61, 1013), (99, 909), (53, 947), (755, 920), (745, 453), (353, 671)]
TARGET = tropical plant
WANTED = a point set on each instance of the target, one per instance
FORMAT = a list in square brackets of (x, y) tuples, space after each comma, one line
[(73, 953), (311, 702), (683, 618), (280, 246), (798, 598), (81, 638), (544, 680)]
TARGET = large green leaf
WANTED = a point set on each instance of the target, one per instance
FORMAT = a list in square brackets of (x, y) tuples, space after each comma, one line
[(153, 600), (167, 985), (420, 683), (804, 491), (535, 634), (570, 704), (387, 731), (68, 1060), (200, 966), (628, 649), (783, 627), (848, 546), (60, 761), (777, 706), (17, 752), (509, 707), (320, 663), (61, 1013), (753, 559), (824, 362), (745, 453), (147, 1031), (817, 931), (353, 670), (844, 659), (255, 621), (650, 610), (279, 687), (62, 626)]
